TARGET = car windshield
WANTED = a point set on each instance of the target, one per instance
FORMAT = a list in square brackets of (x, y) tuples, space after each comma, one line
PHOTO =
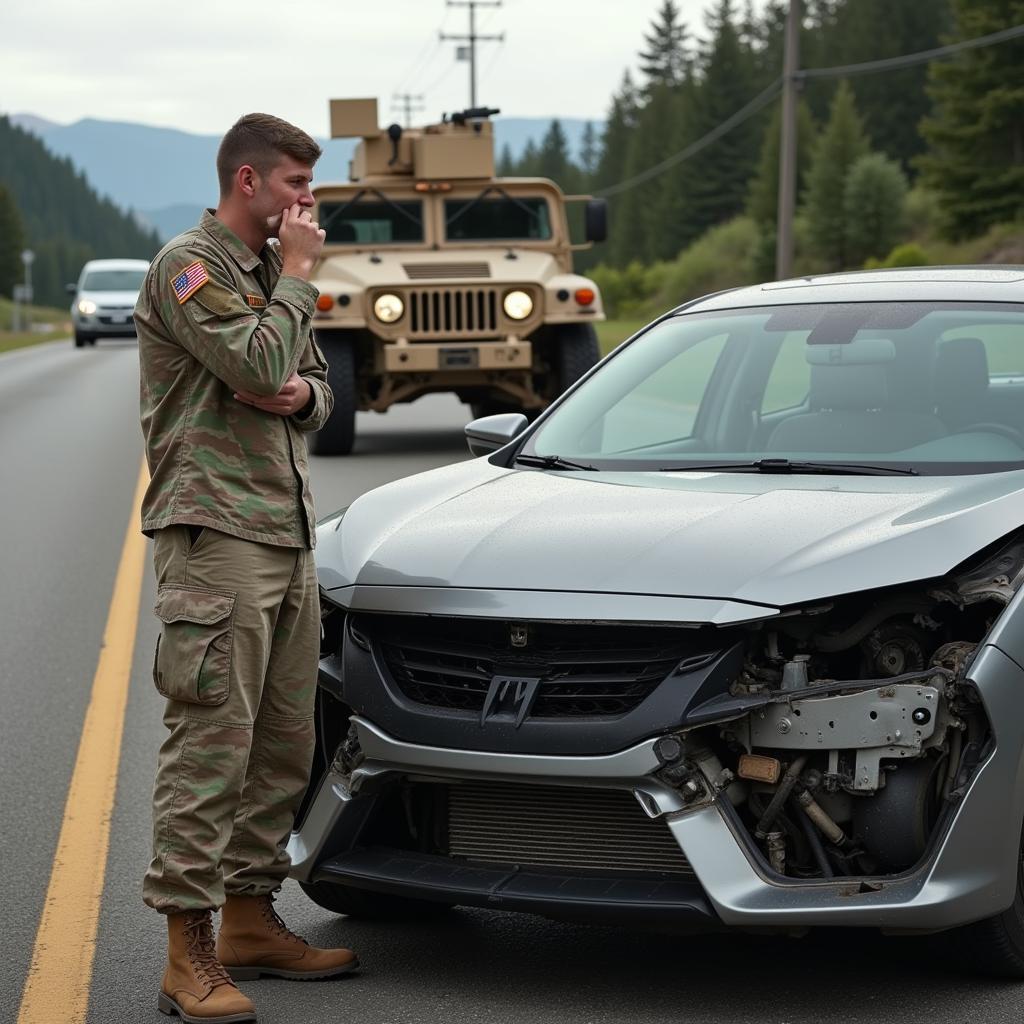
[(113, 280), (504, 218), (856, 387), (371, 219)]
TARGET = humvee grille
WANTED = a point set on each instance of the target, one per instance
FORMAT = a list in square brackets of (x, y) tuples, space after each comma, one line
[(428, 271), (461, 311)]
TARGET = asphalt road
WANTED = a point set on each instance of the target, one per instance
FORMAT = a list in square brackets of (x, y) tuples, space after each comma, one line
[(70, 450)]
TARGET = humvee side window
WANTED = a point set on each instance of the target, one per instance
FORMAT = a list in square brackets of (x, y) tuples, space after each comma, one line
[(509, 218), (372, 223)]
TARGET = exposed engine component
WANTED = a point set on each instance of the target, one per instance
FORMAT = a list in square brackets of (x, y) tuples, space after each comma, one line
[(851, 726)]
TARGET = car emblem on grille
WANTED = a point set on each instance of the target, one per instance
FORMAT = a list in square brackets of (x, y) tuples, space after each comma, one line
[(519, 634), (509, 699)]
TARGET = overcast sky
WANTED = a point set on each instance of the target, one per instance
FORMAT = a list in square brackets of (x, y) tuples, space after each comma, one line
[(198, 66)]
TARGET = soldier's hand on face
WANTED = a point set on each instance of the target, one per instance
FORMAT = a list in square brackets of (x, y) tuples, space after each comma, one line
[(301, 240), (289, 400)]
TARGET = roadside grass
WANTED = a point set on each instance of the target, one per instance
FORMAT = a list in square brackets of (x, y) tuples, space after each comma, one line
[(611, 333), (45, 324)]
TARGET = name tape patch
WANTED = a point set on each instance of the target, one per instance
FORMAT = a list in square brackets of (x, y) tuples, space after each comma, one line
[(256, 301), (190, 280)]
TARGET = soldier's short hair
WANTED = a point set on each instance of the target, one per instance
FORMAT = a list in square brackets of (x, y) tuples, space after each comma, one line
[(261, 140)]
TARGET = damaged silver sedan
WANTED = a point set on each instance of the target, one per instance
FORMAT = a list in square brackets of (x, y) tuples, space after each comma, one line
[(730, 637)]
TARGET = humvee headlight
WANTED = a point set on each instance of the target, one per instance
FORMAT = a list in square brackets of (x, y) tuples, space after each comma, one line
[(518, 305), (86, 308), (388, 308)]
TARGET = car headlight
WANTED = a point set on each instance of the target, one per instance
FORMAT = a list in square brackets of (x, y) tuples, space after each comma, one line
[(86, 308), (517, 305), (388, 308)]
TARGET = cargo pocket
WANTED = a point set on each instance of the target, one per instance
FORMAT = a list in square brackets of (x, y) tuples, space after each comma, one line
[(193, 652)]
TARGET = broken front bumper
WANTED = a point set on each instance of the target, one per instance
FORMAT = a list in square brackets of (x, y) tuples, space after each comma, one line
[(969, 873)]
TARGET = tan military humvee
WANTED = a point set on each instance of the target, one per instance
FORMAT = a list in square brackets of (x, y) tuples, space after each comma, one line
[(437, 276)]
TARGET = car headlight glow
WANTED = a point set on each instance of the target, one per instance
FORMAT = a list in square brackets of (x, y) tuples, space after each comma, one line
[(517, 305), (388, 308), (86, 308)]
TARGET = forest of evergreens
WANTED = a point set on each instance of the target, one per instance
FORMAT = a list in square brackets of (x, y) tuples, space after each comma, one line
[(48, 206), (894, 167), (932, 151)]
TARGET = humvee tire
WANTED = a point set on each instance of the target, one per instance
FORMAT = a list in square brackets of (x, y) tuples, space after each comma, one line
[(574, 350), (338, 434)]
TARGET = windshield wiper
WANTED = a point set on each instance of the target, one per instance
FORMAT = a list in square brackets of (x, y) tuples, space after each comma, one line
[(551, 462), (786, 466)]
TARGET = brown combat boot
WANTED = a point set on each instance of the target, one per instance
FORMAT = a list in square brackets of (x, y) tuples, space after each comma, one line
[(254, 941), (196, 987)]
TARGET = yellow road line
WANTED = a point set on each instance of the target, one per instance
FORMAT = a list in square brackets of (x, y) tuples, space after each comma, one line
[(57, 988)]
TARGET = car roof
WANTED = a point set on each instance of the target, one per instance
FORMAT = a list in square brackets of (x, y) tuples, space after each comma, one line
[(116, 265), (990, 283)]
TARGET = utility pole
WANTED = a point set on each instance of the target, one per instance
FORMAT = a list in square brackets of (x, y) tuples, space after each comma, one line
[(787, 144), (407, 101), (469, 52)]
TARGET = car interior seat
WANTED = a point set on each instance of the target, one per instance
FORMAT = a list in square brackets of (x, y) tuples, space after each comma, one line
[(849, 405), (962, 383)]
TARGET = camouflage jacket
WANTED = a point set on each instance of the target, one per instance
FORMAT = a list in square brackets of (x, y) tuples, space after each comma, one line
[(213, 319)]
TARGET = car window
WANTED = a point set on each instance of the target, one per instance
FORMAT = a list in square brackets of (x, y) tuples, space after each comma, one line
[(664, 406), (790, 376), (372, 222), (113, 280), (930, 387), (502, 218)]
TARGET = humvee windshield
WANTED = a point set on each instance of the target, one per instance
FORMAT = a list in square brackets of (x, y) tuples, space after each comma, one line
[(372, 221), (504, 218)]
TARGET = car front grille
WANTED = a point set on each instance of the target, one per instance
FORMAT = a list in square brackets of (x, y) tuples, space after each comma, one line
[(583, 670), (556, 826), (456, 311)]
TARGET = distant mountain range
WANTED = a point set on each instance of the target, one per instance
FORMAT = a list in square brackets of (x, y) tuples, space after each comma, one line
[(167, 176)]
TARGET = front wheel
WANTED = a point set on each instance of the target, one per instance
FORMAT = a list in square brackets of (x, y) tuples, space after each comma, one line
[(574, 350), (995, 946), (81, 340), (370, 906), (338, 434)]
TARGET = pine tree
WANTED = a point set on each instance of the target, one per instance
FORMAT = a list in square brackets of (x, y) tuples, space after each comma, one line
[(763, 200), (12, 241), (506, 164), (975, 163), (553, 158), (873, 200), (839, 146), (665, 60), (589, 151), (721, 173)]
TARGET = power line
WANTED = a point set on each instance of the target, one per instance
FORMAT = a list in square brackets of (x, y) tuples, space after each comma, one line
[(839, 71), (744, 113), (409, 103), (472, 38), (908, 60)]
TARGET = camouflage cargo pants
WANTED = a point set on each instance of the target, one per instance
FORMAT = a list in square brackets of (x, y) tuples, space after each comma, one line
[(237, 662)]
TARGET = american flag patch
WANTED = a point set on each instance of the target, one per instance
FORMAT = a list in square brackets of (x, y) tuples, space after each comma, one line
[(190, 280)]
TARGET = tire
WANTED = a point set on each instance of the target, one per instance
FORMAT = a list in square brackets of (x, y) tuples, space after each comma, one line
[(995, 946), (370, 906), (573, 351), (81, 340), (338, 434)]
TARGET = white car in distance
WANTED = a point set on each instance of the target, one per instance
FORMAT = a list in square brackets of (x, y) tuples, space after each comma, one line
[(104, 299)]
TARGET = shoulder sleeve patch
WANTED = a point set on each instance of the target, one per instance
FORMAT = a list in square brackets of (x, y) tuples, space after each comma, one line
[(188, 281)]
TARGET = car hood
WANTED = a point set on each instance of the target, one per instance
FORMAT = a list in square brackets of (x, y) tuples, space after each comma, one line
[(761, 539)]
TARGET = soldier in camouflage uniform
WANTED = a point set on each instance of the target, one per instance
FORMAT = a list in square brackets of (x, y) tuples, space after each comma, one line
[(231, 380)]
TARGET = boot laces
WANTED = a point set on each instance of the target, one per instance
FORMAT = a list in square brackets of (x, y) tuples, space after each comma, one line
[(273, 918), (202, 952)]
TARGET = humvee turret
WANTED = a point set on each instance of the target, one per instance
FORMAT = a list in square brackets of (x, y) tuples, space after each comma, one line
[(438, 276)]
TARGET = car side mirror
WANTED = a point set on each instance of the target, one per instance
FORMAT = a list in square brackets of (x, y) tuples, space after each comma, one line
[(71, 288), (489, 433), (596, 220)]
